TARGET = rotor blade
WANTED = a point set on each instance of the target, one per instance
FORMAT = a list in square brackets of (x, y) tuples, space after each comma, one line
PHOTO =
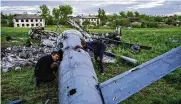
[(124, 85)]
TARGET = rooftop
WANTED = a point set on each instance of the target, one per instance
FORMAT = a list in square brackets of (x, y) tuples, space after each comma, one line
[(87, 17), (27, 16)]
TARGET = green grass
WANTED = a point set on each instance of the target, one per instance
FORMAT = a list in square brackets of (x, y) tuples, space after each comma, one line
[(19, 85)]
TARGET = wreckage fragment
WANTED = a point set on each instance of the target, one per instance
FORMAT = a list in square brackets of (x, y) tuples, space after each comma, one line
[(18, 56), (46, 37)]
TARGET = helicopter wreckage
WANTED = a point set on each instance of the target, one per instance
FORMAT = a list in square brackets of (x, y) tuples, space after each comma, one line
[(78, 83), (18, 56)]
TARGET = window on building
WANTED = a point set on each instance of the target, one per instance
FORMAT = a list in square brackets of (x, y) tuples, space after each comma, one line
[(16, 20), (36, 20), (17, 25), (31, 20), (23, 25), (40, 20), (32, 24), (27, 25), (22, 20), (36, 24), (27, 20)]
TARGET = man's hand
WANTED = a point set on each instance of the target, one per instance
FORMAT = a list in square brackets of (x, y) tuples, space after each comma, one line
[(76, 47), (54, 64), (51, 66)]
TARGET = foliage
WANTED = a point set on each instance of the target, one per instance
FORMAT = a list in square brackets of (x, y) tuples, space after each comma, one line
[(45, 12), (137, 14), (4, 22), (129, 14), (56, 15), (86, 23), (122, 14), (135, 25), (121, 22), (102, 16), (65, 10), (60, 15), (152, 24)]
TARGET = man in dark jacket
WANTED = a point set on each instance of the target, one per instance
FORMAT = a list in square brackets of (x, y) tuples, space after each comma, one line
[(46, 67), (98, 48)]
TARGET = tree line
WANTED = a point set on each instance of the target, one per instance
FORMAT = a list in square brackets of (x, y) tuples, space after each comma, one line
[(60, 14)]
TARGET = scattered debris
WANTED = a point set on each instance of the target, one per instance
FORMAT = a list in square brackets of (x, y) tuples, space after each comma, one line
[(129, 60), (46, 37), (108, 59), (107, 38), (18, 56), (124, 58), (18, 68), (135, 48), (173, 40), (47, 101), (15, 102)]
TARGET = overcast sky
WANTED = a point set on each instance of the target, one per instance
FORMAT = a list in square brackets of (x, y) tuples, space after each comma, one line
[(151, 7)]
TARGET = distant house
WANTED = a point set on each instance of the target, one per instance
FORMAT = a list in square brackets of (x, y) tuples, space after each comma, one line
[(91, 19), (28, 20)]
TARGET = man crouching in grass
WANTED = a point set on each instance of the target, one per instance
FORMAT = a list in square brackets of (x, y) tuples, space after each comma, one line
[(47, 67)]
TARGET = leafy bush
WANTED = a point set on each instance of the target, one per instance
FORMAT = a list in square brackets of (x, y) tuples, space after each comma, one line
[(152, 24), (135, 25)]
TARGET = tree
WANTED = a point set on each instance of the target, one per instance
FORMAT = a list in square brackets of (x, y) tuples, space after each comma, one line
[(45, 13), (175, 17), (65, 10), (102, 16), (50, 20), (122, 13), (143, 25), (86, 23), (3, 16), (136, 14), (130, 14), (158, 19), (56, 15), (142, 17), (170, 21), (99, 12), (10, 19)]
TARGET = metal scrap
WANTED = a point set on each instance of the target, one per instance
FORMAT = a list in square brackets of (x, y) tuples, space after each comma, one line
[(18, 56), (46, 37)]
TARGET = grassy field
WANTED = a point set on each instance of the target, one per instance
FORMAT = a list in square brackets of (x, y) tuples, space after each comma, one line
[(19, 84)]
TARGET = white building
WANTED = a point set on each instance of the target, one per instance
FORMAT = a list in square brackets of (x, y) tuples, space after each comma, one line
[(91, 19), (28, 20)]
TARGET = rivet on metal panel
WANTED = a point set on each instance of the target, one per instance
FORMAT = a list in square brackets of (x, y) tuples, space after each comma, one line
[(114, 98), (67, 87)]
